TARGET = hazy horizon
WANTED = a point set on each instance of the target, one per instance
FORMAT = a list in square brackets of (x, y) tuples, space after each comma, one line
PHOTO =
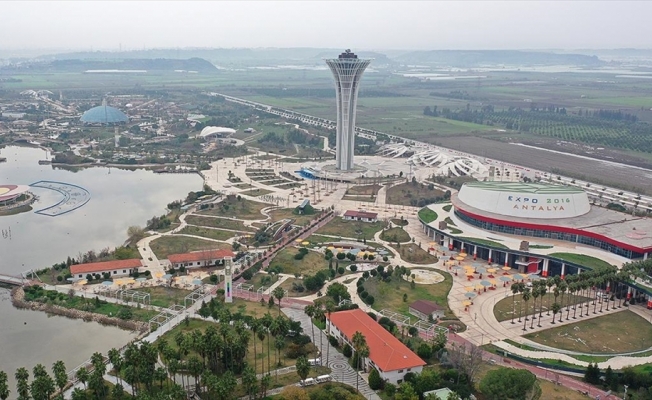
[(370, 25)]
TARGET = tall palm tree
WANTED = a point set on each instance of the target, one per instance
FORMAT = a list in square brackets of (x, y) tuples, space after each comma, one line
[(330, 307), (549, 283), (543, 290), (526, 298), (254, 325), (319, 315), (267, 321), (4, 386), (563, 286), (535, 296), (115, 358), (359, 342), (515, 289), (279, 293), (22, 385), (555, 309), (60, 375), (310, 311)]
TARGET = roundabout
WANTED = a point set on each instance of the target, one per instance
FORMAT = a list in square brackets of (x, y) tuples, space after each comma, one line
[(424, 276)]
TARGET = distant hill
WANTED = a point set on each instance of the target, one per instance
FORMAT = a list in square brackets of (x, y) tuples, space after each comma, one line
[(157, 64), (475, 58)]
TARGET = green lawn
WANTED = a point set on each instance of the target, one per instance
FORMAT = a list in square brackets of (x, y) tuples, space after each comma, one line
[(485, 242), (504, 309), (309, 265), (614, 333), (412, 253), (240, 209), (581, 259), (288, 213), (351, 229), (389, 295), (167, 245), (165, 296), (216, 234), (427, 215), (256, 192), (213, 222), (394, 235)]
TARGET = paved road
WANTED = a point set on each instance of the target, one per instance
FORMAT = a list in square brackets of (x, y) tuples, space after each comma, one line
[(341, 371)]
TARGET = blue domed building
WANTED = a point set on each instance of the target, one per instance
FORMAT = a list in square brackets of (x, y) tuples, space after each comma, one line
[(105, 115)]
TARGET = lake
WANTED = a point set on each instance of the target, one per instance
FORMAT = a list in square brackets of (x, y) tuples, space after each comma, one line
[(119, 199)]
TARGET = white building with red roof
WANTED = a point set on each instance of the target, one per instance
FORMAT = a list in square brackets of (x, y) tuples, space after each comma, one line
[(202, 258), (114, 268), (364, 216), (387, 354)]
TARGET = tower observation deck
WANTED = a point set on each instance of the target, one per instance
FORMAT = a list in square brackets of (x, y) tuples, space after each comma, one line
[(347, 70)]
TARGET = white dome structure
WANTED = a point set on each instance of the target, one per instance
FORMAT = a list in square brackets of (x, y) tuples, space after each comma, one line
[(448, 165), (211, 132)]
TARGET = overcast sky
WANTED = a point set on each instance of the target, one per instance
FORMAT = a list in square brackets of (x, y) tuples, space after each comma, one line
[(359, 25)]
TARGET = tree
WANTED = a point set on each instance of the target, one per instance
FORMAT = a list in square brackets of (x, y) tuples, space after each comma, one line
[(375, 381), (360, 347), (250, 381), (42, 386), (526, 298), (555, 309), (303, 367), (4, 386), (278, 293), (507, 383), (338, 292), (118, 392), (467, 359), (82, 376), (60, 375), (535, 296), (22, 384), (78, 394)]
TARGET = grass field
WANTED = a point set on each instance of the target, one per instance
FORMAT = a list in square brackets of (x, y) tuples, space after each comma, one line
[(504, 309), (412, 253), (389, 295), (351, 229), (166, 245), (364, 190), (221, 223), (587, 261), (165, 296), (285, 213), (309, 265), (216, 234), (394, 235), (427, 215), (240, 209), (614, 333), (407, 194)]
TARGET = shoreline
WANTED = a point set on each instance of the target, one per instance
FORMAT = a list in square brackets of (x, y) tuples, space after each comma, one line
[(18, 301)]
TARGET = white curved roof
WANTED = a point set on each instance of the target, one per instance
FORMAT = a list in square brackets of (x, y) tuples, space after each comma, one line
[(448, 164), (216, 130)]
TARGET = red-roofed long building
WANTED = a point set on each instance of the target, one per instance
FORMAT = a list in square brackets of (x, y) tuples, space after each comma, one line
[(198, 259), (387, 354), (114, 268)]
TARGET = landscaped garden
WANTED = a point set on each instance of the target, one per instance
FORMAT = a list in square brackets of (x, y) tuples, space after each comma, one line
[(216, 234), (509, 307), (582, 259), (427, 215), (620, 332), (231, 207), (395, 235), (166, 245), (485, 242), (414, 254), (311, 263), (213, 222), (352, 229), (415, 194)]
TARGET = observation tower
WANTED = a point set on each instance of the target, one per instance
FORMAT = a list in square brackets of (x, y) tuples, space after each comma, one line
[(347, 70)]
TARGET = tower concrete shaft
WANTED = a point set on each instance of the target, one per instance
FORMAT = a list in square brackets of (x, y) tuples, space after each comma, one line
[(347, 70)]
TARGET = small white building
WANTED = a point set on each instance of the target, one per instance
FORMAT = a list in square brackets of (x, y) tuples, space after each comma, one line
[(115, 268), (364, 216), (391, 358)]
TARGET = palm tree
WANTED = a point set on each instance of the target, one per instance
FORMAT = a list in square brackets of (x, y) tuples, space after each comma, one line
[(519, 289), (4, 386), (22, 385), (310, 311), (330, 307), (526, 298), (543, 290), (550, 283), (555, 309), (115, 358), (267, 322), (254, 325), (515, 289), (535, 295), (279, 293), (359, 342), (303, 367), (563, 286), (82, 376), (319, 315), (60, 375)]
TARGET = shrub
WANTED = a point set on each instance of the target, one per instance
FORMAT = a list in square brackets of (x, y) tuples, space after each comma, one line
[(390, 390), (333, 341), (360, 289), (385, 258), (375, 381), (372, 315), (364, 294), (353, 267), (341, 256), (347, 351), (59, 278), (424, 351), (365, 274), (247, 275), (370, 300), (341, 270), (214, 278)]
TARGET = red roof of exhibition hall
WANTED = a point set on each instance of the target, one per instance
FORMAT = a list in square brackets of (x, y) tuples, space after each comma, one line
[(105, 266), (360, 214), (200, 256), (385, 350)]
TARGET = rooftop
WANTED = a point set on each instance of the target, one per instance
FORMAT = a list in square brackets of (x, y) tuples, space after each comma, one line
[(360, 214), (425, 306), (200, 256), (538, 188), (104, 115), (105, 266), (385, 350)]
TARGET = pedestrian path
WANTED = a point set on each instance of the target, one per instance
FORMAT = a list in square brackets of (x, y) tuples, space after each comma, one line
[(341, 371)]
